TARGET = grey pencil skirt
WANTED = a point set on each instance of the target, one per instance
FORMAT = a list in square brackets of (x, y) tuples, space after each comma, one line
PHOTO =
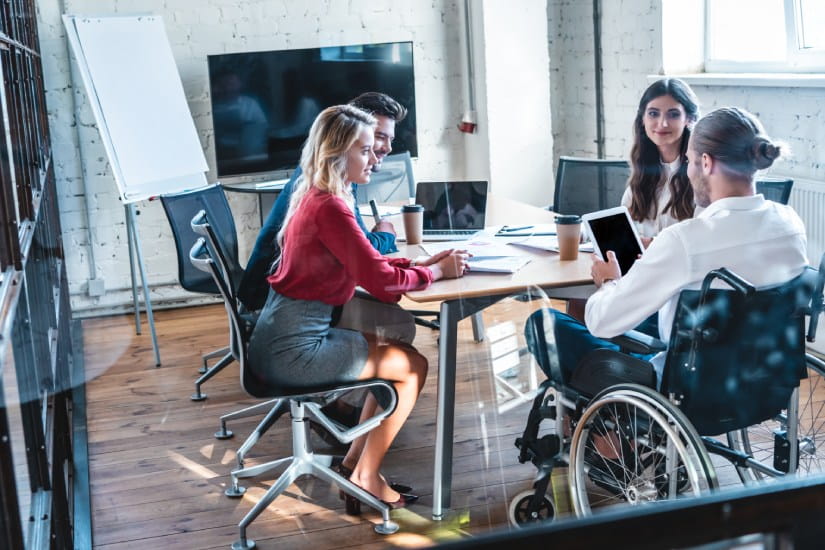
[(294, 346)]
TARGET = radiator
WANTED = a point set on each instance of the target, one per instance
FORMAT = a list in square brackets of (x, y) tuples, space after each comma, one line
[(808, 199)]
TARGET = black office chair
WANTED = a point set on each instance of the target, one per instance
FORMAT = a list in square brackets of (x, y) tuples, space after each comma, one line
[(304, 404), (775, 189), (180, 208), (586, 185)]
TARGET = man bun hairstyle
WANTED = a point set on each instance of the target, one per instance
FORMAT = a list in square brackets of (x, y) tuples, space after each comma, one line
[(764, 152), (736, 138), (378, 104)]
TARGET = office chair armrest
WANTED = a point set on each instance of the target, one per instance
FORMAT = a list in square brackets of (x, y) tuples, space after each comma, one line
[(634, 341)]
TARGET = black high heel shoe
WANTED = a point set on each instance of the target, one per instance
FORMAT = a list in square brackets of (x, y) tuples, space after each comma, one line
[(353, 505), (346, 473)]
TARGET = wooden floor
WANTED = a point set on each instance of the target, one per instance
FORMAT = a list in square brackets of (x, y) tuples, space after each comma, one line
[(158, 474)]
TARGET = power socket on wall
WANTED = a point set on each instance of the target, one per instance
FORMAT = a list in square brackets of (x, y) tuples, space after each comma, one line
[(96, 287)]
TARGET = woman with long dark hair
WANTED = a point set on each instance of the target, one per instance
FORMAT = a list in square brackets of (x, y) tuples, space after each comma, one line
[(658, 192)]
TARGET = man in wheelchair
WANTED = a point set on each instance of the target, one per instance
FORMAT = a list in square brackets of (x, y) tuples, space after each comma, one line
[(630, 444)]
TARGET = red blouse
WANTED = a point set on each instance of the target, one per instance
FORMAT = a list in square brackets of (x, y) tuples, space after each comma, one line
[(326, 254)]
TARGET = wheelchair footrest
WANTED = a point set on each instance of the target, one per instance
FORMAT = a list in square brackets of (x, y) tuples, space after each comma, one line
[(538, 450)]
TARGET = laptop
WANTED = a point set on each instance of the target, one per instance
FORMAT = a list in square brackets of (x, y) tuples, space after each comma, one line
[(453, 210)]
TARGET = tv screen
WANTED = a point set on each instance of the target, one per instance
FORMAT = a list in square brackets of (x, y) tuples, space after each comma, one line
[(263, 103)]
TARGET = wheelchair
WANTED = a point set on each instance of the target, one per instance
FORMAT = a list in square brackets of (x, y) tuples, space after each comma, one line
[(737, 383)]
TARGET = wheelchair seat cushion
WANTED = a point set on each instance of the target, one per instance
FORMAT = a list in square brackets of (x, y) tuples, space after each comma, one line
[(602, 368)]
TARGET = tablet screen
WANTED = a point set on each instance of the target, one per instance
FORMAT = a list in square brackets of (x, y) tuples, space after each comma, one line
[(615, 233)]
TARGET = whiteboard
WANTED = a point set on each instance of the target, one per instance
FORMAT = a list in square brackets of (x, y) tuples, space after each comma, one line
[(137, 98)]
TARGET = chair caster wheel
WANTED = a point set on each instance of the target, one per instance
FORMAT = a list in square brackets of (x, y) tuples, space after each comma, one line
[(243, 544), (202, 370), (235, 491), (224, 434), (198, 396), (386, 528)]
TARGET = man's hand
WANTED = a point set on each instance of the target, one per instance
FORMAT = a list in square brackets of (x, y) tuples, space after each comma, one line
[(386, 227), (602, 271)]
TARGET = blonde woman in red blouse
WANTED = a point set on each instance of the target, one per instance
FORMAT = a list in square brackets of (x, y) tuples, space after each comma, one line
[(324, 256)]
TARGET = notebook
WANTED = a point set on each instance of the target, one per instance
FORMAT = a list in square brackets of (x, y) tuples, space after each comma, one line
[(453, 210)]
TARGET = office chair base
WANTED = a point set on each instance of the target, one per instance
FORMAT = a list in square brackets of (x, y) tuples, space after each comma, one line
[(235, 491), (198, 395), (223, 433), (244, 544), (386, 528)]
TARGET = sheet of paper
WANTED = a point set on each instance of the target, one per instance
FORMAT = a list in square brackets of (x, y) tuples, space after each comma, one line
[(483, 246), (497, 264)]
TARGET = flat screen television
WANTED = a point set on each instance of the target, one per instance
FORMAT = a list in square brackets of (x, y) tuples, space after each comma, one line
[(263, 103)]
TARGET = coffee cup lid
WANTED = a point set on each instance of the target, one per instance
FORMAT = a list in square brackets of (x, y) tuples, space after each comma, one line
[(568, 219), (412, 208)]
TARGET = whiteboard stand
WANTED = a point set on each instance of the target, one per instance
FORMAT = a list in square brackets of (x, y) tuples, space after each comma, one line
[(139, 105), (135, 251)]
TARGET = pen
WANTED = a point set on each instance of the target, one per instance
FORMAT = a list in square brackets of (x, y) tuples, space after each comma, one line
[(375, 215), (507, 229)]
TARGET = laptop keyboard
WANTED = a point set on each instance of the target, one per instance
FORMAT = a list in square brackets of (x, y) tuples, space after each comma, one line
[(450, 231)]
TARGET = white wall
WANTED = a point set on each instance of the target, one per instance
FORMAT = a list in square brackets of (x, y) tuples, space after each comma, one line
[(195, 30), (517, 91), (631, 49)]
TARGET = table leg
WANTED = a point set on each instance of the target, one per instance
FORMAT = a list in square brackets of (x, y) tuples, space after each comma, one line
[(445, 413)]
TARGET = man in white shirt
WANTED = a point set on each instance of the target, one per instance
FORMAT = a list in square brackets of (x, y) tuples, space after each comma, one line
[(760, 240)]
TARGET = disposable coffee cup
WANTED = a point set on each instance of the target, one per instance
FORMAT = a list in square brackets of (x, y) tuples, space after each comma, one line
[(413, 215), (568, 231)]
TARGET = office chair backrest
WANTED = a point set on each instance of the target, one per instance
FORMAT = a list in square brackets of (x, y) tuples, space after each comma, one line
[(735, 355), (180, 208), (778, 190), (393, 182), (226, 259), (587, 185)]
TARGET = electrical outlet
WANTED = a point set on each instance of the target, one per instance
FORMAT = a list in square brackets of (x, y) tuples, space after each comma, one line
[(96, 287)]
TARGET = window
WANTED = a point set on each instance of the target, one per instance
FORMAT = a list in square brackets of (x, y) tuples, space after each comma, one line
[(765, 36)]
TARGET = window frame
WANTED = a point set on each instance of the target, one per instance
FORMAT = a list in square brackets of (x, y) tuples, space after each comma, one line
[(798, 59)]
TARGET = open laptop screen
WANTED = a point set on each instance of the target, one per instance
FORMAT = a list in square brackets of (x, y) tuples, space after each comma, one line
[(452, 205)]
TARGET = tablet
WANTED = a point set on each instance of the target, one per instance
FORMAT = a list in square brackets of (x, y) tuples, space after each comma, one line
[(612, 229)]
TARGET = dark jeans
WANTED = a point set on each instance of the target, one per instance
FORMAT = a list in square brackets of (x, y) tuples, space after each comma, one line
[(559, 342)]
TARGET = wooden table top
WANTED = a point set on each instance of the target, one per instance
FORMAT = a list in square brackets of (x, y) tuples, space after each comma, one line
[(544, 270)]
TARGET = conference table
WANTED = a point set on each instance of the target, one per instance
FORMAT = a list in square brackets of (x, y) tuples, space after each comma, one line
[(464, 297)]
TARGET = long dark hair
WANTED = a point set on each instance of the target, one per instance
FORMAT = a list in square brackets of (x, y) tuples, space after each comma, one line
[(646, 171)]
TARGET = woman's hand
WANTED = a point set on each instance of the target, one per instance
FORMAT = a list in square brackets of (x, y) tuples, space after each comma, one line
[(448, 264)]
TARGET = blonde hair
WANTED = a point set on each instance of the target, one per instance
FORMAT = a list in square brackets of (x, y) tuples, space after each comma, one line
[(324, 156)]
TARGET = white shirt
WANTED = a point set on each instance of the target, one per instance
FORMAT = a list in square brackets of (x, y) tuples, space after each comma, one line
[(652, 227), (759, 240)]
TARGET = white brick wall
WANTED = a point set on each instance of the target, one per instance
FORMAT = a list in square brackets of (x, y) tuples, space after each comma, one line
[(631, 49), (196, 30)]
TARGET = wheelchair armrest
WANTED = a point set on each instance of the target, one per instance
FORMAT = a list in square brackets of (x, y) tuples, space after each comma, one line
[(634, 341)]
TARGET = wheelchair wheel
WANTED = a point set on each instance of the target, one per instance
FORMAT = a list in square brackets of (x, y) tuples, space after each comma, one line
[(632, 446), (767, 442), (520, 514)]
